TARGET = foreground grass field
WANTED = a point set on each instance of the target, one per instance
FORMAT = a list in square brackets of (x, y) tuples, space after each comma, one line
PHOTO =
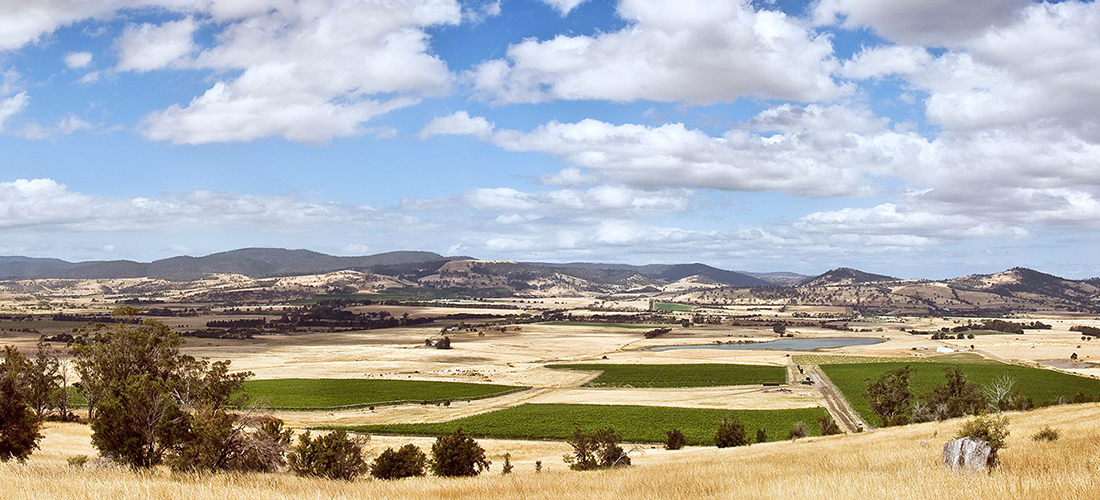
[(686, 375), (311, 394), (893, 463), (1042, 386), (639, 424)]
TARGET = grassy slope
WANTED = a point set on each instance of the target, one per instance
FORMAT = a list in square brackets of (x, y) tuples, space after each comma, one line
[(1040, 385), (893, 463), (634, 423), (688, 375), (330, 393)]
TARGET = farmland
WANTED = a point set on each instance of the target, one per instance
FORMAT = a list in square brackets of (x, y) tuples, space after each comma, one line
[(309, 394), (640, 424), (1042, 386), (678, 375)]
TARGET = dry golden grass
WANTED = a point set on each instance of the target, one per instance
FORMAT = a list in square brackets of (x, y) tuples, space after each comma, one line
[(887, 463)]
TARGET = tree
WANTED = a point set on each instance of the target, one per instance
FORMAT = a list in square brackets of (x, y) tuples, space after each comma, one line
[(19, 425), (43, 380), (458, 455), (675, 440), (596, 450), (890, 398), (957, 396), (408, 461), (334, 455), (147, 401), (730, 433)]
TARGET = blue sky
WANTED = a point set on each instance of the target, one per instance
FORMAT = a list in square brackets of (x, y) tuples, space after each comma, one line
[(920, 139)]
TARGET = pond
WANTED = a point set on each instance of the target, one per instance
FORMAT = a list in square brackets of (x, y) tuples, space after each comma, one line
[(779, 345)]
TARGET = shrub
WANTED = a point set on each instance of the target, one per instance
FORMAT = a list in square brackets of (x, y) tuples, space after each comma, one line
[(458, 455), (408, 461), (761, 435), (798, 431), (507, 467), (1045, 434), (334, 456), (675, 440), (828, 426), (730, 433), (992, 429), (77, 461), (596, 450)]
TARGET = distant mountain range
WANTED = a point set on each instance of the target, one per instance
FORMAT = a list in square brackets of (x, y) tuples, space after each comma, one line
[(1014, 289)]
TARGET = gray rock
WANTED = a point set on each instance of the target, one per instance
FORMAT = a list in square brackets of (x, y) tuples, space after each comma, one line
[(969, 454)]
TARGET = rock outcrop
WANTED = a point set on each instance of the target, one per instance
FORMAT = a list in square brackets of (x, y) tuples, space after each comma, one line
[(969, 454)]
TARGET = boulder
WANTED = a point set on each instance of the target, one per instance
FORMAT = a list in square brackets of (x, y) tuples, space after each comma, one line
[(969, 454)]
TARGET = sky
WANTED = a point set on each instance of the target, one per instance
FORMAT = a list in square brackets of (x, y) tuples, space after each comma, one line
[(928, 139)]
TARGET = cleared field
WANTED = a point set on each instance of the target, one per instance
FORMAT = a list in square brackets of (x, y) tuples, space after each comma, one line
[(840, 359), (639, 424), (682, 375), (310, 394), (600, 325), (1042, 386)]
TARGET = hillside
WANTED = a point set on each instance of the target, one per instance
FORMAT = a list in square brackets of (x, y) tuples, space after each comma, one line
[(251, 262), (896, 462), (846, 276)]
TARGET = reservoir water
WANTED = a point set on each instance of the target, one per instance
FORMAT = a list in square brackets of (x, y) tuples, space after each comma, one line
[(779, 345)]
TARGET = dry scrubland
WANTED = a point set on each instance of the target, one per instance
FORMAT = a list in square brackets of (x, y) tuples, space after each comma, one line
[(889, 463)]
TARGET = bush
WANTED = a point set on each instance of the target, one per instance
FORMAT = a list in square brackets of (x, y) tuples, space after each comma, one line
[(596, 450), (1045, 434), (458, 455), (507, 467), (77, 461), (730, 433), (798, 431), (334, 456), (408, 461), (675, 440), (992, 429), (828, 426), (761, 435)]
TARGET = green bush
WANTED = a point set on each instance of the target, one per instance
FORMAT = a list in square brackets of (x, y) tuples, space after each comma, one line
[(992, 429), (458, 455), (730, 433), (676, 440), (828, 426), (1046, 434), (334, 456), (408, 461)]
